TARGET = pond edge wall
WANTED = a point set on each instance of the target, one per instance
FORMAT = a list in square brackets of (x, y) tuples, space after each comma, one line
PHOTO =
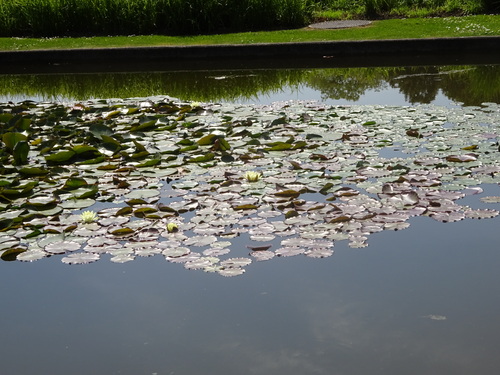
[(435, 51)]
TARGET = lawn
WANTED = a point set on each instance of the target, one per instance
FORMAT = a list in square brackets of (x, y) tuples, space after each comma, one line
[(478, 25)]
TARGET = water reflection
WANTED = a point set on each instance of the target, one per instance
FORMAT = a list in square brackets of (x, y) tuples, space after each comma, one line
[(361, 311), (470, 85)]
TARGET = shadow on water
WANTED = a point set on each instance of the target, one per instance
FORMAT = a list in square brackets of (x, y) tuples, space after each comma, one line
[(470, 85)]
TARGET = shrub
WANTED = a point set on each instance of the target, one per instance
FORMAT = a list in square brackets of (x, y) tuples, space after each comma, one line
[(126, 17)]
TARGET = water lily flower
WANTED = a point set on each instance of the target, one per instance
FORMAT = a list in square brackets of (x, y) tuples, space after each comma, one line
[(253, 176), (88, 217), (172, 227)]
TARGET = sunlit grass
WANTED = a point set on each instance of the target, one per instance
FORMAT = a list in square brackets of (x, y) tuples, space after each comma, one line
[(481, 25)]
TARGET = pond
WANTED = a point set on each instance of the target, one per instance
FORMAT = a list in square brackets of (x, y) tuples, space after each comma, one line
[(357, 233), (441, 85)]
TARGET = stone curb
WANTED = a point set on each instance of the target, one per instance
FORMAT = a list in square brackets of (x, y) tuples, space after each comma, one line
[(309, 54)]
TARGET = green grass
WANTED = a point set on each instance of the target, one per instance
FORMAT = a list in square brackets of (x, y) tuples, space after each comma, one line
[(348, 9), (480, 25), (140, 17)]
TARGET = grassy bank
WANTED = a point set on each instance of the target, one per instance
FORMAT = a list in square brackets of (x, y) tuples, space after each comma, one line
[(481, 25), (48, 18)]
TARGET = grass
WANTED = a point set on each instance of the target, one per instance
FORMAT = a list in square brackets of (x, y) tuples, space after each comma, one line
[(49, 18), (480, 25), (348, 9), (123, 17)]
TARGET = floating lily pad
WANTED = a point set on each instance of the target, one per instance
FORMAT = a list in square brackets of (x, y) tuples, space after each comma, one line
[(77, 203), (360, 171), (262, 255), (62, 247), (12, 253), (122, 258), (289, 251), (32, 255), (176, 252), (491, 199), (230, 272), (319, 253), (142, 194), (481, 213), (80, 258)]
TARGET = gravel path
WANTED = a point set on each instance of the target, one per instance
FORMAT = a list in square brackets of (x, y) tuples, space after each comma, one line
[(339, 24)]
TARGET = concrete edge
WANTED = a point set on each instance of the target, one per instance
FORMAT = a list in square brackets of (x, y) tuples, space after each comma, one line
[(487, 48)]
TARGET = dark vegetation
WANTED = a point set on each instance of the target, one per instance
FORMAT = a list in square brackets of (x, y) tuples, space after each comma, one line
[(375, 9), (48, 18), (139, 17)]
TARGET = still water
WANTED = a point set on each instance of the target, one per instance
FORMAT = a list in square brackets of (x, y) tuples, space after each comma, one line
[(441, 85), (420, 301), (424, 300)]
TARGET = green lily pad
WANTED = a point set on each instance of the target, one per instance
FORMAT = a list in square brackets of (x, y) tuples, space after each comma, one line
[(122, 232), (20, 152), (11, 254), (202, 159), (287, 193), (11, 139), (61, 157), (100, 129), (33, 171)]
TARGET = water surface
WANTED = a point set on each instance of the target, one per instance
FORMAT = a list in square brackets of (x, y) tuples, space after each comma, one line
[(419, 301), (441, 85), (423, 300)]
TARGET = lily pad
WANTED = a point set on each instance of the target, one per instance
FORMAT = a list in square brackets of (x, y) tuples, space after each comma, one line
[(62, 247), (322, 174), (80, 258), (12, 254), (230, 272)]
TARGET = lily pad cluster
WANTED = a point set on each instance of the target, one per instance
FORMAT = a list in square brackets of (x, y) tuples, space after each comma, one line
[(127, 178)]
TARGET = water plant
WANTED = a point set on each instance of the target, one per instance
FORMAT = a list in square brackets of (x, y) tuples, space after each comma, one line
[(88, 217), (146, 166), (172, 227), (252, 176)]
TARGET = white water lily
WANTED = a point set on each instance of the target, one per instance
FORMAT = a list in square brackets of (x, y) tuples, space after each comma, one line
[(251, 176), (88, 217)]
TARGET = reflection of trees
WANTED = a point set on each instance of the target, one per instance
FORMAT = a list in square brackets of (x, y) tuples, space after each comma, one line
[(347, 83), (471, 85), (189, 85), (418, 85)]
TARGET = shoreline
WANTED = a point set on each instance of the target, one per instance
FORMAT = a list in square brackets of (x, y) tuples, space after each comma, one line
[(388, 52)]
